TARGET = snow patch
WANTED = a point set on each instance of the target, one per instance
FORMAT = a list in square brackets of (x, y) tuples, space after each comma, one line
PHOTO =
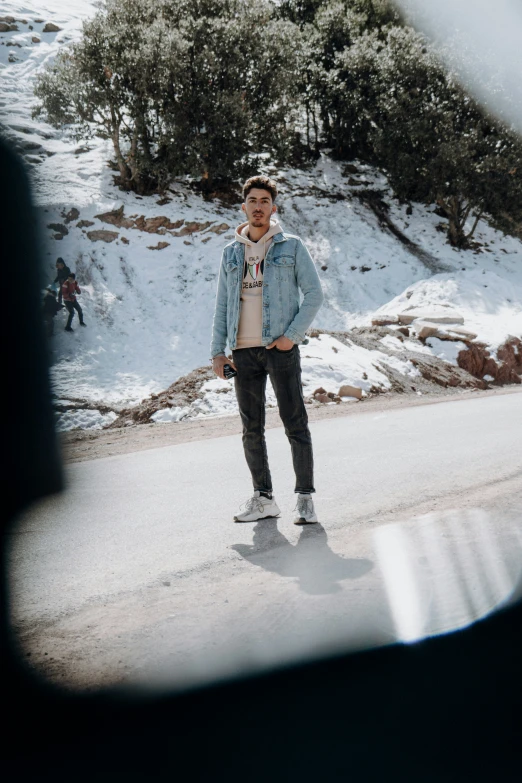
[(446, 349), (83, 419)]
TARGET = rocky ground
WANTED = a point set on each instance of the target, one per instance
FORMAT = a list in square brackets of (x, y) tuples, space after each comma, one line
[(476, 369)]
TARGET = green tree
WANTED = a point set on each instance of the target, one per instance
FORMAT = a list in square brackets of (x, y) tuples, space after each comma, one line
[(179, 86), (328, 28), (397, 105)]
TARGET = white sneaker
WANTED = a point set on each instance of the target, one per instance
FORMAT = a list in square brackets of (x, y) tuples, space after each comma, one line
[(258, 507), (304, 511)]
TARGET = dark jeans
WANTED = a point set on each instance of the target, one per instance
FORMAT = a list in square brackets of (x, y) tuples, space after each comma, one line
[(71, 307), (284, 368)]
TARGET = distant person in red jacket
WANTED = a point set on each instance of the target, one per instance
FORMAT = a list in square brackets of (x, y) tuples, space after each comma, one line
[(69, 290)]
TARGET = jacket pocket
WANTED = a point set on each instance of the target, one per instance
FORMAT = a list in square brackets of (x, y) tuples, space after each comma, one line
[(283, 261)]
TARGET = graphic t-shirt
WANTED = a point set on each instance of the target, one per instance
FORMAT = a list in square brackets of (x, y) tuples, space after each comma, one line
[(249, 333)]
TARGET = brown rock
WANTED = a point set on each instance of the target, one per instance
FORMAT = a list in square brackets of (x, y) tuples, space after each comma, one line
[(511, 351), (510, 356), (35, 39), (445, 374), (450, 317), (507, 368), (458, 333), (183, 392), (219, 229), (125, 240), (490, 368), (101, 235), (333, 397), (404, 330), (4, 28), (350, 391), (324, 398), (159, 246), (50, 27), (73, 214), (385, 320), (59, 227), (151, 225), (474, 359), (115, 218), (191, 228), (84, 223), (425, 330)]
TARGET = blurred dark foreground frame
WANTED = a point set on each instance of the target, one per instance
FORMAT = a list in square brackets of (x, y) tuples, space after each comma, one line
[(445, 709)]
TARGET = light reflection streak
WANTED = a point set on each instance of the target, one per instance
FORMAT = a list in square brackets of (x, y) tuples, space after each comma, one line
[(397, 565), (444, 570), (480, 41)]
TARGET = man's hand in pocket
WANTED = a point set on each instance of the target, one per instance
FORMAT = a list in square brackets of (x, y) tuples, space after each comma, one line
[(282, 344)]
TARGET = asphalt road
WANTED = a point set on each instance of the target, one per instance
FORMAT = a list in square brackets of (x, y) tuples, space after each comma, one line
[(137, 574)]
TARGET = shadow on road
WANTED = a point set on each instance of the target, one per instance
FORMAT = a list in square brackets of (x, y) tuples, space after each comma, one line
[(311, 561)]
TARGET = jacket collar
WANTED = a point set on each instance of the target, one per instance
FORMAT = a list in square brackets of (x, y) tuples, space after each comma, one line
[(280, 237)]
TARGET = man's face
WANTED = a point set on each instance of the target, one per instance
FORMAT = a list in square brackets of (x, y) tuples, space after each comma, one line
[(258, 207), (59, 265)]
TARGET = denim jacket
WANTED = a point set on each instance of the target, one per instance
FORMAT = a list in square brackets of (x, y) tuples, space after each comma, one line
[(288, 268)]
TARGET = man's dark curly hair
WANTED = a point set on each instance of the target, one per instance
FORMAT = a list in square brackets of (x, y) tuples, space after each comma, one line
[(264, 183)]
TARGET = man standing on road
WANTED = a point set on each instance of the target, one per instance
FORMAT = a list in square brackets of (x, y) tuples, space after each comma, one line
[(259, 314)]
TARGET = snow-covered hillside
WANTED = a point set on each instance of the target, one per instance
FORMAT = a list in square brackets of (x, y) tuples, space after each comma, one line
[(148, 292)]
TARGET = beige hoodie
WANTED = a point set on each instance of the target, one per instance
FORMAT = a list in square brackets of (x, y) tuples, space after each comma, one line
[(250, 319)]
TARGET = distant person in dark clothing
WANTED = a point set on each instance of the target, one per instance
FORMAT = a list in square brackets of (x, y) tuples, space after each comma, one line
[(62, 273), (50, 308), (69, 290)]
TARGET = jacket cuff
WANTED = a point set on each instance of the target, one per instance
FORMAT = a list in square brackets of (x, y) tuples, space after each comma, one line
[(294, 336)]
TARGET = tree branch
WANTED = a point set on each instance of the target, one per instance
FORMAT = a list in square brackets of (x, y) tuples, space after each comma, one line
[(477, 218)]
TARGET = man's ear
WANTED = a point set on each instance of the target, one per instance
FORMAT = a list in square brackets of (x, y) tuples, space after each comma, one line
[(243, 207), (274, 209)]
